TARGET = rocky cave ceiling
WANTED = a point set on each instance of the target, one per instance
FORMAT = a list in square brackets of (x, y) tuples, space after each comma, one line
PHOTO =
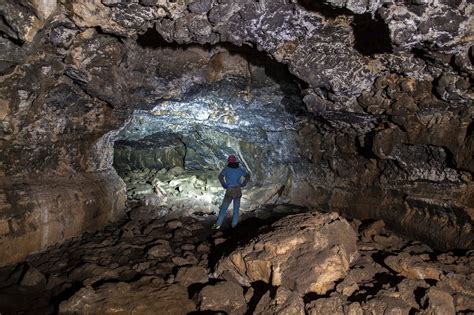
[(369, 111)]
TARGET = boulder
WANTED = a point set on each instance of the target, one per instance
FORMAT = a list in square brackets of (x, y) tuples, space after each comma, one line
[(331, 305), (413, 267), (33, 278), (191, 275), (304, 253), (385, 303), (285, 302), (161, 250), (225, 296), (375, 228), (439, 303), (459, 283)]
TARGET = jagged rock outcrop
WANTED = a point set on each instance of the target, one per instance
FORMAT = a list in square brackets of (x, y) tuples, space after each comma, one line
[(304, 253), (384, 130)]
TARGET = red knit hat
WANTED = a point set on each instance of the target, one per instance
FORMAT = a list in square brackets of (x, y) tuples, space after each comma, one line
[(231, 159)]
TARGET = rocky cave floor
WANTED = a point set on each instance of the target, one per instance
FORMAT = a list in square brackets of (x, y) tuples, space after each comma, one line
[(168, 265), (174, 189)]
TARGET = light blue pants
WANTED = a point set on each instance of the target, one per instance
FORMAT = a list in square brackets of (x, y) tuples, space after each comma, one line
[(235, 215)]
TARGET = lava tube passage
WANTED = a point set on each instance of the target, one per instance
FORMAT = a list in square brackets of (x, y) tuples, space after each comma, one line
[(171, 155), (236, 157)]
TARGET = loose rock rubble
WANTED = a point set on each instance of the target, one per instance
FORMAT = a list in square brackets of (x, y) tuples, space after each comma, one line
[(182, 190), (307, 263)]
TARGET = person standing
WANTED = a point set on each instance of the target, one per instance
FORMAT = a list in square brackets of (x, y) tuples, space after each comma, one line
[(231, 180)]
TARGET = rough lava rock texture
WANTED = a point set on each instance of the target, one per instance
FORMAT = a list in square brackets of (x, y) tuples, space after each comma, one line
[(385, 129), (110, 271), (304, 253)]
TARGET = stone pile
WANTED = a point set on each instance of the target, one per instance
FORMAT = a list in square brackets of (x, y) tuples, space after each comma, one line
[(196, 192), (176, 188), (308, 263)]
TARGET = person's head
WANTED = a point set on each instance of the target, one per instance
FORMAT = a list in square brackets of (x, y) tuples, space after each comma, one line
[(232, 161)]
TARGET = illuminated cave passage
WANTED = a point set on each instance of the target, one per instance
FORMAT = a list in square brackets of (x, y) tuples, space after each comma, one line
[(171, 154), (354, 119)]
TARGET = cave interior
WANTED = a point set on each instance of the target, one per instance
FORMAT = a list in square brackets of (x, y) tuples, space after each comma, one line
[(354, 120)]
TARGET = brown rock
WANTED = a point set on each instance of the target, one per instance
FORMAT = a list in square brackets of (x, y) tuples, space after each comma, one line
[(331, 305), (386, 304), (373, 229), (413, 267), (463, 284), (285, 302), (129, 298), (173, 224), (188, 247), (4, 227), (182, 233), (439, 303), (406, 291), (190, 275), (225, 296), (353, 309), (161, 250), (181, 261), (463, 303), (203, 248), (219, 240), (33, 278), (304, 252), (90, 273)]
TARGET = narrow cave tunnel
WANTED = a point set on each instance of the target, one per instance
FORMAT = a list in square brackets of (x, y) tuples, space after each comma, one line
[(353, 119)]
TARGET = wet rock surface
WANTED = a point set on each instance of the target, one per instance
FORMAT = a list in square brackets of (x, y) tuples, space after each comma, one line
[(147, 266)]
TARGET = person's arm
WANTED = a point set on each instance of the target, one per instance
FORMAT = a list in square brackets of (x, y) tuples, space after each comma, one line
[(246, 179), (221, 179)]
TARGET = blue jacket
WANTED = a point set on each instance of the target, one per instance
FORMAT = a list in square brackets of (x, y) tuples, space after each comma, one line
[(232, 177)]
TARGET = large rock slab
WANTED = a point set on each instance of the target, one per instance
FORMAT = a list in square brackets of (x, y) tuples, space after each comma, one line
[(304, 253)]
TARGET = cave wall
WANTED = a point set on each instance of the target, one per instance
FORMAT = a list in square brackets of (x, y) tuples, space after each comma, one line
[(392, 123)]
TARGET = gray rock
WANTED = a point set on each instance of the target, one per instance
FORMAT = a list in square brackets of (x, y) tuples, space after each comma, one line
[(200, 6)]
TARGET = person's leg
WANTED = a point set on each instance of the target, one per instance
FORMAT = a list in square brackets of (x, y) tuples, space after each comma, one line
[(235, 215), (225, 205)]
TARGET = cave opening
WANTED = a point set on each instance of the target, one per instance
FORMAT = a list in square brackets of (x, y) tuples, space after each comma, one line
[(241, 102)]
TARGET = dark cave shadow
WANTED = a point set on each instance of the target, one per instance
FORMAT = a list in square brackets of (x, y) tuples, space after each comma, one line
[(248, 228), (325, 10), (371, 35), (260, 289), (239, 236), (290, 85)]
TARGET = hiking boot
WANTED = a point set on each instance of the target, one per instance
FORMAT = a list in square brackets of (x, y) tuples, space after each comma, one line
[(216, 227)]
